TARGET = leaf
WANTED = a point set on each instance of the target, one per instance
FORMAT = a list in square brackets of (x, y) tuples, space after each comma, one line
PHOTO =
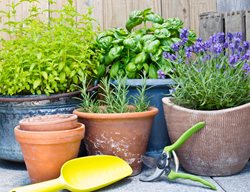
[(36, 83), (61, 66), (44, 74), (62, 77)]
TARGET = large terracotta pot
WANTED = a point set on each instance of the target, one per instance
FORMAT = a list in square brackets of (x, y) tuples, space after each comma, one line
[(124, 135), (221, 148), (45, 152), (55, 122)]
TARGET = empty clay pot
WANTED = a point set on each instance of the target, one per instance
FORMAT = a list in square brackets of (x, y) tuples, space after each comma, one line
[(45, 152), (121, 134), (55, 122)]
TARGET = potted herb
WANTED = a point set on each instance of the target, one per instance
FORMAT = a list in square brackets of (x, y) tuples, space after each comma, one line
[(39, 63), (131, 51), (113, 127), (212, 85)]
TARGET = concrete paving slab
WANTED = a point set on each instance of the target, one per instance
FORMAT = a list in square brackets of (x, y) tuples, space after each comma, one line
[(15, 174), (236, 183)]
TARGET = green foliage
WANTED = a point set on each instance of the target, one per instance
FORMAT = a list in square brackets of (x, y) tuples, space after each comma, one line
[(129, 52), (114, 97), (212, 74), (44, 57)]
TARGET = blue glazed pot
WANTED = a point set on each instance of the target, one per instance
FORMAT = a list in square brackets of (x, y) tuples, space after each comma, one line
[(15, 108), (159, 89)]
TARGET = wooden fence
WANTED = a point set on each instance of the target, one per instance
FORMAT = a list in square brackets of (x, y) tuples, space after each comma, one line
[(234, 21), (114, 13)]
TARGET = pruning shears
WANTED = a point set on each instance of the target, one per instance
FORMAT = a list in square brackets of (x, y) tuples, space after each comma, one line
[(168, 159)]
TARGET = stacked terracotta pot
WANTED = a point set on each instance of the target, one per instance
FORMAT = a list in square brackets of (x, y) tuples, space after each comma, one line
[(47, 142)]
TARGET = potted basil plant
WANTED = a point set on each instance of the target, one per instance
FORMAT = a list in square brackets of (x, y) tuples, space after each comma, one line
[(213, 85), (131, 51), (113, 127), (39, 63)]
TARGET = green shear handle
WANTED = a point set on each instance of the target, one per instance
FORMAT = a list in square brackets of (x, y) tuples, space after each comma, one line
[(185, 136), (173, 175)]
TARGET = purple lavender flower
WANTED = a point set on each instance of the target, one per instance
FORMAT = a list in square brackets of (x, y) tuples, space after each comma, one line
[(246, 45), (161, 74), (246, 56), (246, 68), (221, 37), (233, 59), (184, 33), (229, 36), (217, 49), (238, 35), (170, 56), (237, 43), (175, 47), (199, 40)]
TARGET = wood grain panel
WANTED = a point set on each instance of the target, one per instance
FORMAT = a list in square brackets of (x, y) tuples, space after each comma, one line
[(234, 22), (143, 4), (196, 8), (247, 13), (177, 8), (232, 5), (210, 23), (116, 12), (97, 8), (3, 19)]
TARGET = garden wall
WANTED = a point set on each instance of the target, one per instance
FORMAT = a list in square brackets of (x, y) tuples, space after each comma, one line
[(113, 13)]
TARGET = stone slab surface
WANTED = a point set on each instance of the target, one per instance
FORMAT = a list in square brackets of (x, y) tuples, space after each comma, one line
[(15, 174), (236, 183)]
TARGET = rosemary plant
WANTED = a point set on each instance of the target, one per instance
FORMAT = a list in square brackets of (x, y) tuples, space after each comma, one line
[(115, 98)]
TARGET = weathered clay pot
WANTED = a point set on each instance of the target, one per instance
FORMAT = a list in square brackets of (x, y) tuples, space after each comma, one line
[(45, 152), (55, 122), (221, 148), (124, 135)]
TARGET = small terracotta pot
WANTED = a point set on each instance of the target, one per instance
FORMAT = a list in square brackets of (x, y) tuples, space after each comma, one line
[(49, 122), (221, 148), (45, 152), (121, 134)]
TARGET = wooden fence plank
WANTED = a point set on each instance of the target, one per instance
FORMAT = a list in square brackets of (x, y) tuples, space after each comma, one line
[(232, 5), (143, 4), (3, 19), (177, 8), (234, 22), (210, 23), (97, 8), (196, 8), (247, 14), (116, 13)]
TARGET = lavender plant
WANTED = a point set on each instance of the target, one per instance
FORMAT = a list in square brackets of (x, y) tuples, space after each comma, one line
[(212, 74)]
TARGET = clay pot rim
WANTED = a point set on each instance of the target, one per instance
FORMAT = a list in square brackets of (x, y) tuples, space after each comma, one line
[(152, 111), (49, 137), (41, 120), (168, 101)]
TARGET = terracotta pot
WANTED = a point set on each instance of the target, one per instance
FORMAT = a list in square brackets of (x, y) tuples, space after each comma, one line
[(219, 149), (124, 135), (55, 122), (45, 152)]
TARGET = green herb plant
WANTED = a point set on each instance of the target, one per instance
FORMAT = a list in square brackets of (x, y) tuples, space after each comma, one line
[(45, 57), (114, 97), (130, 51), (212, 74)]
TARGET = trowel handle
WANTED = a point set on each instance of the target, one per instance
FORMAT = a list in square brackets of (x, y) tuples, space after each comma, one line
[(185, 136), (52, 185), (174, 175)]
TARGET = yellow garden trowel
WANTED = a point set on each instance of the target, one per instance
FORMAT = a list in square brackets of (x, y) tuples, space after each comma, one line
[(84, 174)]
